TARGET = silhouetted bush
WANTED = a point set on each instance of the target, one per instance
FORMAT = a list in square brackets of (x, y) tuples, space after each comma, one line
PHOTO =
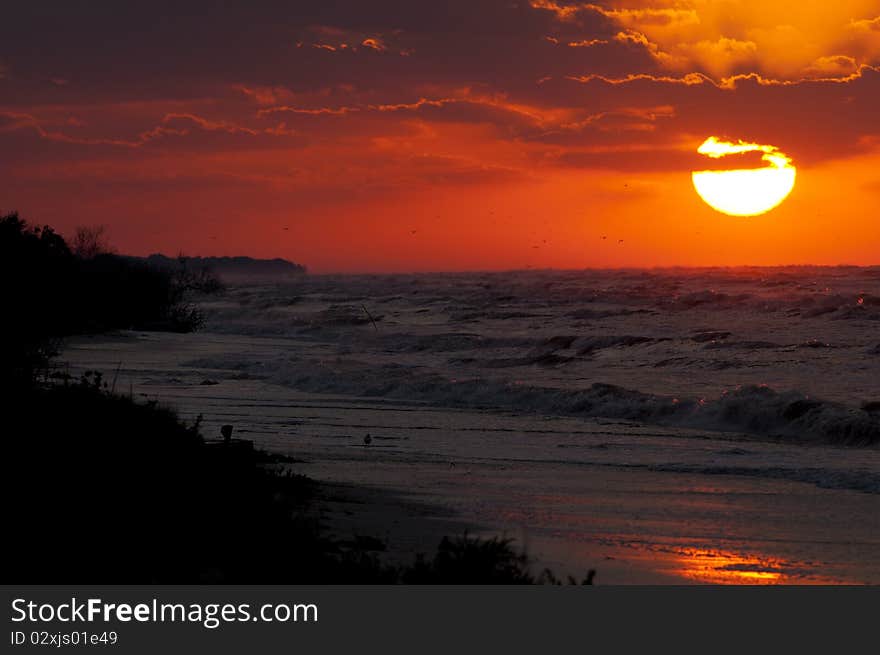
[(470, 560), (49, 292), (190, 275), (37, 274), (118, 293)]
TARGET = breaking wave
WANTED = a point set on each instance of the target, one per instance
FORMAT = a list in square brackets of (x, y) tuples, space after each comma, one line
[(751, 409)]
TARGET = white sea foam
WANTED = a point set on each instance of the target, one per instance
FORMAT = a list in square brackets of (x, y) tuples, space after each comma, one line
[(787, 352)]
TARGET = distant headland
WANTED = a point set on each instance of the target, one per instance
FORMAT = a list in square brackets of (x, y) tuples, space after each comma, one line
[(230, 266)]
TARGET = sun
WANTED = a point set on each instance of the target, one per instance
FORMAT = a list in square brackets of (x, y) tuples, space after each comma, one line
[(744, 192)]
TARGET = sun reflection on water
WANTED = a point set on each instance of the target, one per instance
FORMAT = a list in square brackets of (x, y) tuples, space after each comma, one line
[(728, 567)]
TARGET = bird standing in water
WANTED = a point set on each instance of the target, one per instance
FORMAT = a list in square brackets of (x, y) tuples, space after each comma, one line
[(368, 439)]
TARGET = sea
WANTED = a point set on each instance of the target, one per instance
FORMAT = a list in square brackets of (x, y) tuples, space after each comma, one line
[(668, 426)]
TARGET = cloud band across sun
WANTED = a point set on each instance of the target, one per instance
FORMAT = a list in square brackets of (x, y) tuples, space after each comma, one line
[(744, 192)]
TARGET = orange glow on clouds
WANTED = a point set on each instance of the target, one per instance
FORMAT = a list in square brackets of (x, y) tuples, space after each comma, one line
[(429, 144), (788, 38)]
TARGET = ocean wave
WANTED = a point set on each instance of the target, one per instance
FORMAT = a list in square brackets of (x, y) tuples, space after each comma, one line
[(593, 314), (743, 345), (556, 350), (709, 297), (448, 342), (753, 409)]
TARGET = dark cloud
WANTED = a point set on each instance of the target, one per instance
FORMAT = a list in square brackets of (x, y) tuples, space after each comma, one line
[(322, 100), (177, 49)]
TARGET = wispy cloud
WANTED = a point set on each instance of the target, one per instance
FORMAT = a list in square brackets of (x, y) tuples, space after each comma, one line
[(787, 41), (171, 125), (728, 83)]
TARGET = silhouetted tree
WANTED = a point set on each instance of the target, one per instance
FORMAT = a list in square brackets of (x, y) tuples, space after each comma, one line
[(90, 241)]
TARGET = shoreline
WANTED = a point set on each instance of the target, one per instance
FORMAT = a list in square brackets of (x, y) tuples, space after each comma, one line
[(576, 494)]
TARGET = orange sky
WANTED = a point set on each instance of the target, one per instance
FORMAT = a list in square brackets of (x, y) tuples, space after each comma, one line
[(484, 134)]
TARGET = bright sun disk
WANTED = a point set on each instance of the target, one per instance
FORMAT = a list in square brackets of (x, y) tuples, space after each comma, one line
[(744, 192)]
